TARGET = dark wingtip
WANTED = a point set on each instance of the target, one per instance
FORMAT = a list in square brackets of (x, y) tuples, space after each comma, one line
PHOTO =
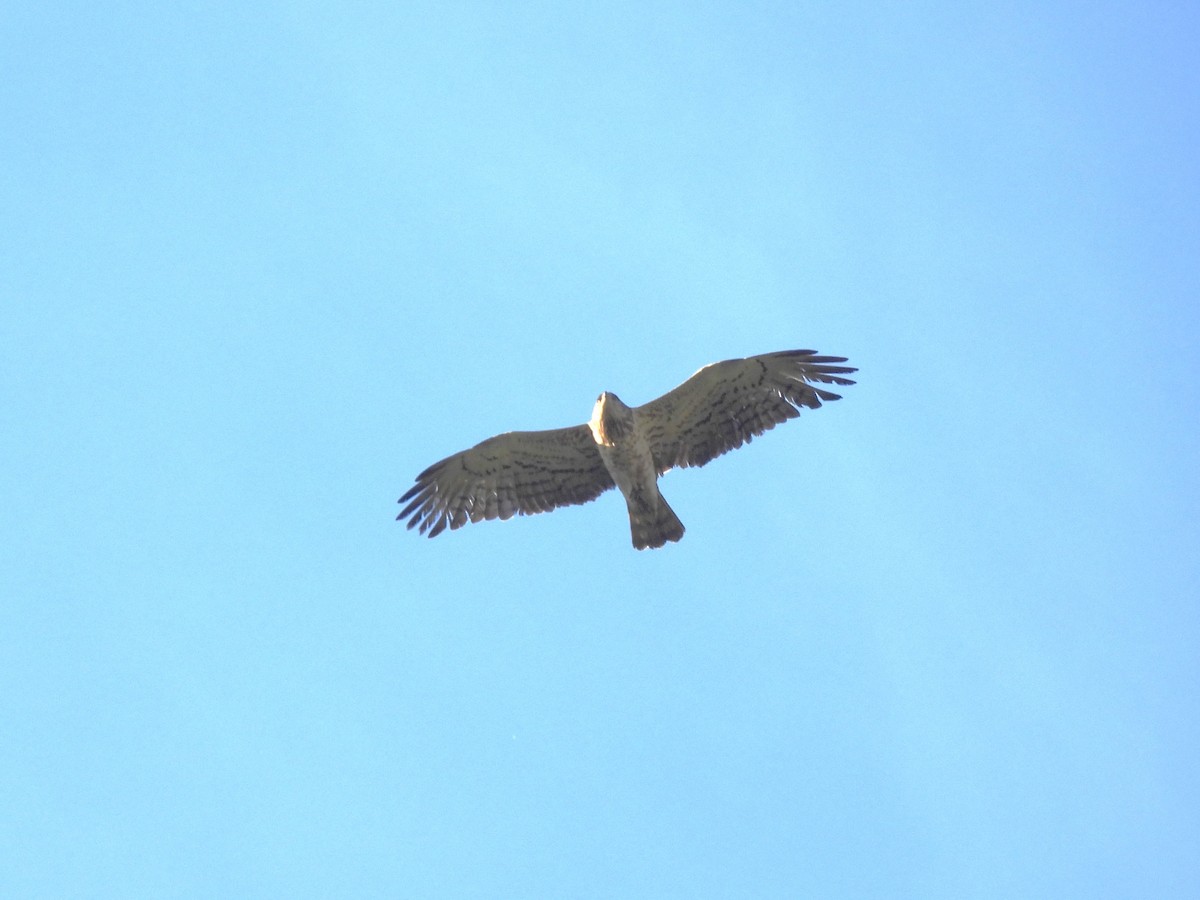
[(824, 362)]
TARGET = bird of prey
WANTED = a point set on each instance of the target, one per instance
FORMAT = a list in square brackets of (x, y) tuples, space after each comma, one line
[(721, 407)]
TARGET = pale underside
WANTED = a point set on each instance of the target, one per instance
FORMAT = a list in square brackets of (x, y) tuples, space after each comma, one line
[(721, 407)]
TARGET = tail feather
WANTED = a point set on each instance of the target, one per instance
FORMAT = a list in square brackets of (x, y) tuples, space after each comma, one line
[(653, 524)]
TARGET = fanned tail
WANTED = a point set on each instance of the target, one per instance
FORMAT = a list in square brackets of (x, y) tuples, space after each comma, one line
[(653, 524)]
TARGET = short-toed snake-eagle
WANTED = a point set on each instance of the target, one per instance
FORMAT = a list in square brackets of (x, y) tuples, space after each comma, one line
[(721, 407)]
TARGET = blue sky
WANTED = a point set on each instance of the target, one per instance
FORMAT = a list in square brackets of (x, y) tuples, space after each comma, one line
[(264, 263)]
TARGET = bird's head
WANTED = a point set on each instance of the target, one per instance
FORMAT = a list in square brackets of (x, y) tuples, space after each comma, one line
[(610, 418)]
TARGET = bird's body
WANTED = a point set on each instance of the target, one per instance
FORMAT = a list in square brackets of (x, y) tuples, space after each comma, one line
[(622, 445), (721, 407)]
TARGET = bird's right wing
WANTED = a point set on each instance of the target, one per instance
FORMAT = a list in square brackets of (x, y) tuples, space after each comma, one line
[(520, 472)]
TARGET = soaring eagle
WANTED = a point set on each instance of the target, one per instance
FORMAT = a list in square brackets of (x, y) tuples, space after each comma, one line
[(721, 407)]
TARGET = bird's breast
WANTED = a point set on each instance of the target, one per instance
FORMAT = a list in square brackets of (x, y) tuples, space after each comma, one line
[(630, 463)]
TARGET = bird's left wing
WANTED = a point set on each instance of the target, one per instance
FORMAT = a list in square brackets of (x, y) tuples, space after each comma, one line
[(520, 472), (726, 404)]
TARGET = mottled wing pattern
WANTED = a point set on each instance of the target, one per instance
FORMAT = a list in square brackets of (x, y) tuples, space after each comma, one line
[(726, 404), (521, 472)]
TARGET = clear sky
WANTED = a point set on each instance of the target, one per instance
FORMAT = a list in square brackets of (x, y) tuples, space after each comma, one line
[(263, 262)]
